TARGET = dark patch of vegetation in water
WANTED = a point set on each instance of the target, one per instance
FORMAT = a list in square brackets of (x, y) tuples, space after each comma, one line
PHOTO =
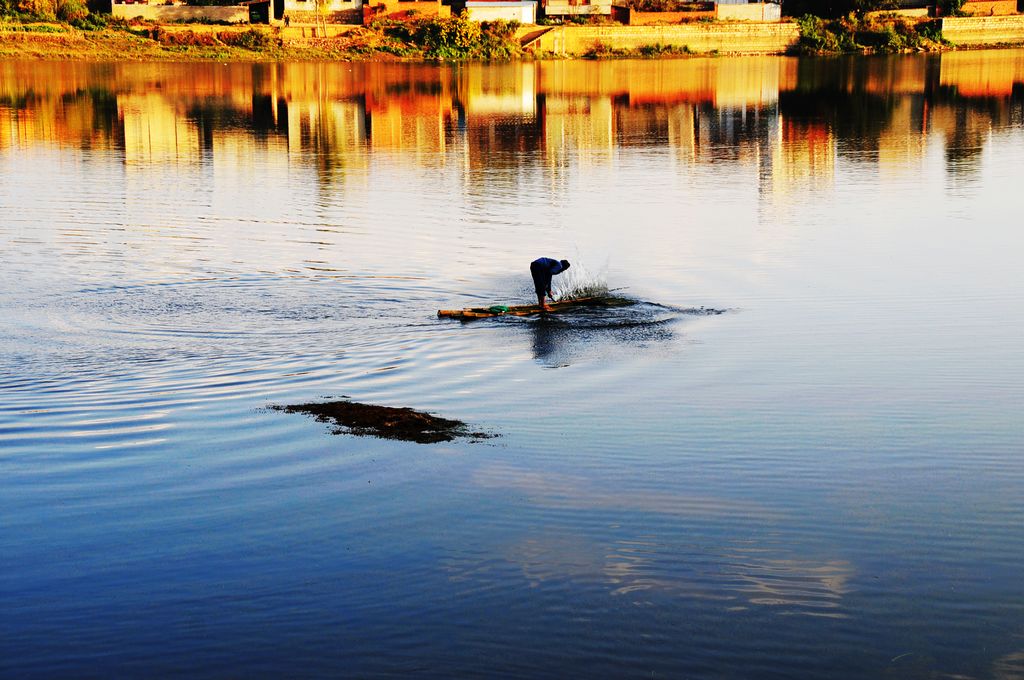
[(386, 422)]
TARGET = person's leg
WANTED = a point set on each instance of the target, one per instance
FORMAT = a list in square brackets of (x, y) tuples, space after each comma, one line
[(539, 283)]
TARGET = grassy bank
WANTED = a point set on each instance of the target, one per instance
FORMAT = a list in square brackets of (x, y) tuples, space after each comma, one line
[(434, 38), (425, 39), (97, 38), (58, 41), (652, 51)]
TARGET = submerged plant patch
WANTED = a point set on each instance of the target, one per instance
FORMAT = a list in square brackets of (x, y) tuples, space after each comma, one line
[(386, 422)]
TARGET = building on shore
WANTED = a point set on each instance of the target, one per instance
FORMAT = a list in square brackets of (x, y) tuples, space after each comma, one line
[(404, 9), (991, 8), (314, 11), (322, 12), (523, 11)]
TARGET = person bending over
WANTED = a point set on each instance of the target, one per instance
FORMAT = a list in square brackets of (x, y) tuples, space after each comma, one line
[(542, 269)]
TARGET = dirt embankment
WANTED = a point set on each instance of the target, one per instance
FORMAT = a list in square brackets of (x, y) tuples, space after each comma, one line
[(190, 42)]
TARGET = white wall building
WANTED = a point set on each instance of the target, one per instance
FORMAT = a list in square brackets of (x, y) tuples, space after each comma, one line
[(523, 11)]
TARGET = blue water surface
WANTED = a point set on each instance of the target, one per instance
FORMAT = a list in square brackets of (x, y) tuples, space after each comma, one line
[(824, 480)]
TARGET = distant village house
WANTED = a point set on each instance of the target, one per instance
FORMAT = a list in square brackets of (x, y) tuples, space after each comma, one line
[(628, 12)]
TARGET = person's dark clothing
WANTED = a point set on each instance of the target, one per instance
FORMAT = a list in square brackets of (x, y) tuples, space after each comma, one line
[(542, 269)]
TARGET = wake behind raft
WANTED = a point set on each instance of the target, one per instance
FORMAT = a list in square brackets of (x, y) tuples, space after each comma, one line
[(469, 313)]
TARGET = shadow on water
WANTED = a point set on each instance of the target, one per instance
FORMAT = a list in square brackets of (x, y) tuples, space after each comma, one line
[(594, 332)]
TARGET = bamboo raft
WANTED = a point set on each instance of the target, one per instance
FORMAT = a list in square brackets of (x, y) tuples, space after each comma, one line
[(528, 310)]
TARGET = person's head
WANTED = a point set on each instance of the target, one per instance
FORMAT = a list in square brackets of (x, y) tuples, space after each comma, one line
[(565, 264)]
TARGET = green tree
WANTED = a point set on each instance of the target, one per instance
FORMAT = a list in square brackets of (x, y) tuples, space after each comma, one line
[(71, 10), (40, 9), (452, 37)]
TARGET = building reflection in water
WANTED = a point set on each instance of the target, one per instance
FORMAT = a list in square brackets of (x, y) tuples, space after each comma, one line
[(788, 119)]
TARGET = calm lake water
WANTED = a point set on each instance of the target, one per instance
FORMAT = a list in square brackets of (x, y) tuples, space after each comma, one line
[(824, 481)]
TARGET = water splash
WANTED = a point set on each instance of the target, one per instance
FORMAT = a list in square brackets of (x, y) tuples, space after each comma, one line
[(579, 282)]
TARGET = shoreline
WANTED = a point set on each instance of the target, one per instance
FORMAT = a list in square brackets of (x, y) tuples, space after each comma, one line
[(206, 42)]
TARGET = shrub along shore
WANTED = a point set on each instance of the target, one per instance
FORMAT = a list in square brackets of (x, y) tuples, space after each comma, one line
[(108, 39), (74, 33)]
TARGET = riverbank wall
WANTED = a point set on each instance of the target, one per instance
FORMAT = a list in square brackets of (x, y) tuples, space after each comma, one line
[(169, 14), (982, 31), (719, 38), (340, 41)]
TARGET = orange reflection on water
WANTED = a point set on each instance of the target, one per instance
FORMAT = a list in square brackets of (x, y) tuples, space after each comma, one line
[(789, 117), (983, 73)]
